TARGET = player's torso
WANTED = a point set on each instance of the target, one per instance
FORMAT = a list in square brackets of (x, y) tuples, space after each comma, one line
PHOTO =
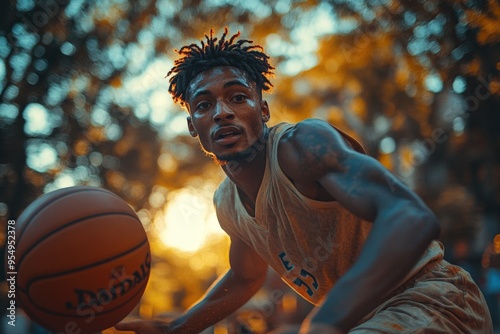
[(310, 243)]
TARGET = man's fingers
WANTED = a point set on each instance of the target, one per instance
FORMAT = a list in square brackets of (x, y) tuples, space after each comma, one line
[(134, 325), (143, 327)]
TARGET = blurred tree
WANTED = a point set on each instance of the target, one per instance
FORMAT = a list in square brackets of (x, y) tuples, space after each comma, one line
[(418, 83), (67, 113), (83, 100)]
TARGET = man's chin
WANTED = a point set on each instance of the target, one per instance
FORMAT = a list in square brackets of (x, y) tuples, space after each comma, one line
[(240, 157), (223, 159)]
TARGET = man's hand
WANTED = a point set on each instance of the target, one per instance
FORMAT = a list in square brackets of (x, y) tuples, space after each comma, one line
[(144, 327)]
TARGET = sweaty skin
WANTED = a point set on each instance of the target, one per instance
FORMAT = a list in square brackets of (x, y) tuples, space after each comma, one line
[(228, 115)]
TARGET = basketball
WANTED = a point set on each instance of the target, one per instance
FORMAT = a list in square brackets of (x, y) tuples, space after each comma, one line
[(82, 259)]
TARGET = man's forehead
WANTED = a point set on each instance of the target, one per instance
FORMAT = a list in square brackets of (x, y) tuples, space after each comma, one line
[(214, 75)]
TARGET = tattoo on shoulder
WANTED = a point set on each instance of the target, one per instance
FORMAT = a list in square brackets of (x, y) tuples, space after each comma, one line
[(317, 155)]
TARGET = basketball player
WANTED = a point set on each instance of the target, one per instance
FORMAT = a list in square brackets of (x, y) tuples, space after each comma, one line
[(303, 198)]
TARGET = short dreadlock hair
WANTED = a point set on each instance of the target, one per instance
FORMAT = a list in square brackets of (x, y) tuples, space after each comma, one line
[(195, 59)]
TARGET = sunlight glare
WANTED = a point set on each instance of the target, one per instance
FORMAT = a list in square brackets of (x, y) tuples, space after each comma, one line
[(41, 156), (159, 101), (189, 219), (301, 55), (63, 180), (37, 120)]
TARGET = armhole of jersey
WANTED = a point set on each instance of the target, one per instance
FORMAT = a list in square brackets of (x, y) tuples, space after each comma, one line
[(353, 142)]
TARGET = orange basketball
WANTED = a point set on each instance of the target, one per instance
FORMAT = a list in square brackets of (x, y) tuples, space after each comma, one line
[(82, 260)]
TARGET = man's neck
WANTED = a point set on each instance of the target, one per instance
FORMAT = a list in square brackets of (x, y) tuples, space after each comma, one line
[(247, 173)]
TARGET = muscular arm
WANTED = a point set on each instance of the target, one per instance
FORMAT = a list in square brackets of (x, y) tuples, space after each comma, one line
[(314, 154), (227, 294)]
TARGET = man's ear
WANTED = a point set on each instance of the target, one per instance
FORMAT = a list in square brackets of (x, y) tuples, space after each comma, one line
[(264, 108), (191, 129)]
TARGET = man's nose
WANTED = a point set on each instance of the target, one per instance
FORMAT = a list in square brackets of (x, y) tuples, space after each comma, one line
[(222, 111)]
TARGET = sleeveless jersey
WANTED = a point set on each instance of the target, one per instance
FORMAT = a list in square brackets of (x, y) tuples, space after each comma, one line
[(309, 243)]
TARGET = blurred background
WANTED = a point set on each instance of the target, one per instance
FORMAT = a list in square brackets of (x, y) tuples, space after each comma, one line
[(84, 101)]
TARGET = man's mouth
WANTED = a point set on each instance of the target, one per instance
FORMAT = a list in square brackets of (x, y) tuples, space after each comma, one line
[(227, 135)]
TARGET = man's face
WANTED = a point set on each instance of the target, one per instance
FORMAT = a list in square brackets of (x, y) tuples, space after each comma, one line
[(226, 112)]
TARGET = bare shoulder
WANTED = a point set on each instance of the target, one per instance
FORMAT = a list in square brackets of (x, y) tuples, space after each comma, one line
[(311, 148)]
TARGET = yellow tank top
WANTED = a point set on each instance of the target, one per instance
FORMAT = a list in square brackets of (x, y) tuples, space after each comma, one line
[(309, 243)]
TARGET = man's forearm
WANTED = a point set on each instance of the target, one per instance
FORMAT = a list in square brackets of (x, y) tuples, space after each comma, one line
[(388, 255), (225, 296)]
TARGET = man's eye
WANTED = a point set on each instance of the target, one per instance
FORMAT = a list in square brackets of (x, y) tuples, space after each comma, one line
[(202, 105), (239, 98)]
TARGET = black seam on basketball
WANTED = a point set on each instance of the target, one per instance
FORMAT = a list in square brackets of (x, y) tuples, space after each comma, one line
[(29, 219), (40, 278), (20, 260), (145, 241)]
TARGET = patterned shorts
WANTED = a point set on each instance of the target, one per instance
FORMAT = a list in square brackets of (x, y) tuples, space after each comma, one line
[(440, 298)]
